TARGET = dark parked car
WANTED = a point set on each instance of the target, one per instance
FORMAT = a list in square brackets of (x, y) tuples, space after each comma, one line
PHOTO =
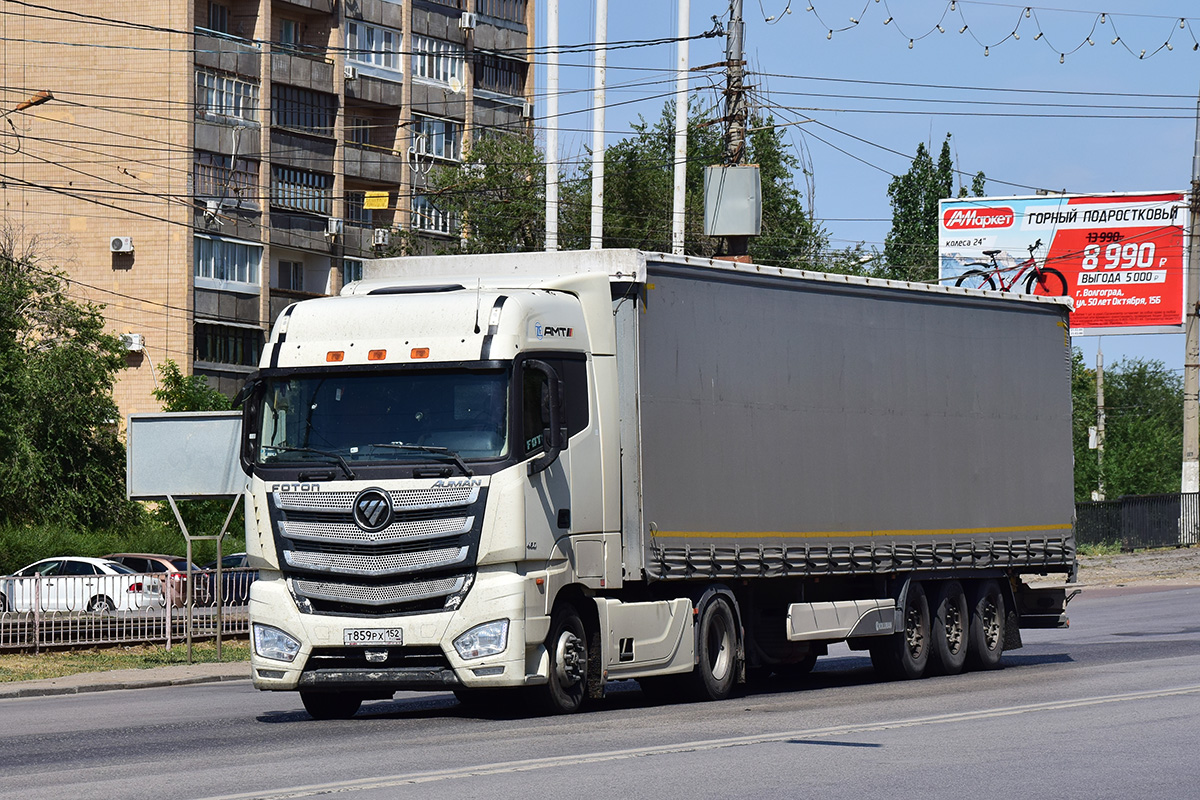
[(236, 577)]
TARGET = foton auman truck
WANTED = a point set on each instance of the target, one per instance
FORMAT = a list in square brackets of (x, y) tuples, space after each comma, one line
[(542, 472)]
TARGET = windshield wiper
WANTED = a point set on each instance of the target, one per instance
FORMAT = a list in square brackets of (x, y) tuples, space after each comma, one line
[(444, 453), (341, 462)]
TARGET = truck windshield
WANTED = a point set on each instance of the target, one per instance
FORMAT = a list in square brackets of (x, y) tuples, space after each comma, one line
[(380, 417)]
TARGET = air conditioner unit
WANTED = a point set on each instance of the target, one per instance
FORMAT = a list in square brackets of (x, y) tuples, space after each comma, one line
[(467, 21), (134, 342), (121, 244), (527, 111), (333, 226), (351, 72), (383, 237)]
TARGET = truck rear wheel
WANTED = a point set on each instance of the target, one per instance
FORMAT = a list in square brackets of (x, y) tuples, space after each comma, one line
[(716, 651), (905, 654), (948, 651), (985, 640), (567, 646), (331, 705)]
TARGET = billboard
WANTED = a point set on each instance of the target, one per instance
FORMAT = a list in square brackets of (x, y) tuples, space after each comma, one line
[(1119, 257)]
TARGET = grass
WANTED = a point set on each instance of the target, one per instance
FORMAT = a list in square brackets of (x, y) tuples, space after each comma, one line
[(56, 664)]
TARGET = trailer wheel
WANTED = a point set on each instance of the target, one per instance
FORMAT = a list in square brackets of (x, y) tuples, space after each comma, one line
[(716, 670), (948, 652), (567, 646), (905, 654), (985, 640), (331, 705)]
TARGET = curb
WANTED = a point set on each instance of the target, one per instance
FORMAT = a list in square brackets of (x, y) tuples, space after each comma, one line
[(86, 683)]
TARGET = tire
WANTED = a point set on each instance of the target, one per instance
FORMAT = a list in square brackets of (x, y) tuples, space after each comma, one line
[(985, 638), (3, 603), (101, 604), (976, 278), (798, 670), (716, 652), (948, 629), (905, 654), (567, 646), (331, 705), (1052, 284)]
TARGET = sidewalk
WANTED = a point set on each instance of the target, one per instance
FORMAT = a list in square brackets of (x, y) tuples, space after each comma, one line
[(173, 675)]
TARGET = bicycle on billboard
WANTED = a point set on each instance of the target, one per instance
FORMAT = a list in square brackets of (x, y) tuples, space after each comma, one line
[(1040, 280)]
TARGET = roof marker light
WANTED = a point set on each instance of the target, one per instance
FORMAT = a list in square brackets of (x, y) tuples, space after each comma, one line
[(335, 355), (419, 352), (377, 355)]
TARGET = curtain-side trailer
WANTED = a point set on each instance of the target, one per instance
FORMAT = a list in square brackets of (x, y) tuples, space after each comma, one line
[(545, 472)]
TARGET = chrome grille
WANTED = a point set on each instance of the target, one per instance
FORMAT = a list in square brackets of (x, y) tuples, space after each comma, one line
[(402, 499), (386, 594), (406, 530), (356, 564)]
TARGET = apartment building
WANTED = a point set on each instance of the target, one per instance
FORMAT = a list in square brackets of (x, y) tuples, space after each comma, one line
[(205, 163)]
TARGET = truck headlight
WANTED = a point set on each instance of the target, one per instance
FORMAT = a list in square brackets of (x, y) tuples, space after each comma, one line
[(488, 639), (273, 643)]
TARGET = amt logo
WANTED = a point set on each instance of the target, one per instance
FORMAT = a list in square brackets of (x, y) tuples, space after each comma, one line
[(552, 331)]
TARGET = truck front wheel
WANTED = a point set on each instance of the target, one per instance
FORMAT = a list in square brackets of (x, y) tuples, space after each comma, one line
[(331, 705), (716, 651), (567, 646)]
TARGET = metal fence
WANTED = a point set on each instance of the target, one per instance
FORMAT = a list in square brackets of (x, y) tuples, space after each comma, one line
[(1155, 520), (76, 611)]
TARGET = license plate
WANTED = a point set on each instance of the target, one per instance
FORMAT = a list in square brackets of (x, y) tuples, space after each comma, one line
[(372, 636)]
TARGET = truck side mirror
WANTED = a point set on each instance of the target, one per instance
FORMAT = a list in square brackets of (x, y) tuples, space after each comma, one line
[(249, 397), (555, 435)]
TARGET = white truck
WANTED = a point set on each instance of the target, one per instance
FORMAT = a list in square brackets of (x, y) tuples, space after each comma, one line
[(549, 471)]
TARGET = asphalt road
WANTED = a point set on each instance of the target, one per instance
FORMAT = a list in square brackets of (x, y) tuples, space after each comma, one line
[(1108, 708)]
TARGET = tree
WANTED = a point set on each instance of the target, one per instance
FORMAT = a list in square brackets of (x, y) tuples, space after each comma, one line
[(497, 193), (61, 459), (911, 247), (1143, 424), (179, 392)]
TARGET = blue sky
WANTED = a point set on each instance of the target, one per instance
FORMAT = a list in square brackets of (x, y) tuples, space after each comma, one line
[(1103, 120)]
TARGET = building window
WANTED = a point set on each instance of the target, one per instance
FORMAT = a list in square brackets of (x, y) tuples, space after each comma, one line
[(303, 110), (437, 60), (511, 10), (224, 260), (221, 176), (358, 130), (225, 344), (352, 270), (502, 75), (429, 218), (355, 213), (301, 190), (218, 17), (440, 138), (373, 46), (222, 95), (291, 275), (289, 34)]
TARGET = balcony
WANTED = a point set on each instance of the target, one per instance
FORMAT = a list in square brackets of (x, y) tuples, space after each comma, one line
[(307, 70), (228, 54), (282, 298), (375, 164), (322, 6)]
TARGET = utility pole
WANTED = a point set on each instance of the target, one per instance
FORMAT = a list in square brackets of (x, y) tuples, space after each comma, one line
[(1099, 495), (735, 108), (681, 119), (1191, 358), (552, 125), (598, 92)]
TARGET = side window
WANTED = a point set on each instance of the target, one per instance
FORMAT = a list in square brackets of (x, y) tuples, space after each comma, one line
[(535, 402), (78, 568)]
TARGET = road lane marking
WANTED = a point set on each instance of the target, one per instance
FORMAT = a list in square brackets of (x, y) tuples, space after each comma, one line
[(551, 762)]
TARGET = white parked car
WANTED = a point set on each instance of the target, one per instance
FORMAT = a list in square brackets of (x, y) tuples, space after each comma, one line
[(75, 583)]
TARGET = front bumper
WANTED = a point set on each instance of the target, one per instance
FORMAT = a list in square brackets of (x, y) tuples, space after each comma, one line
[(427, 659)]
